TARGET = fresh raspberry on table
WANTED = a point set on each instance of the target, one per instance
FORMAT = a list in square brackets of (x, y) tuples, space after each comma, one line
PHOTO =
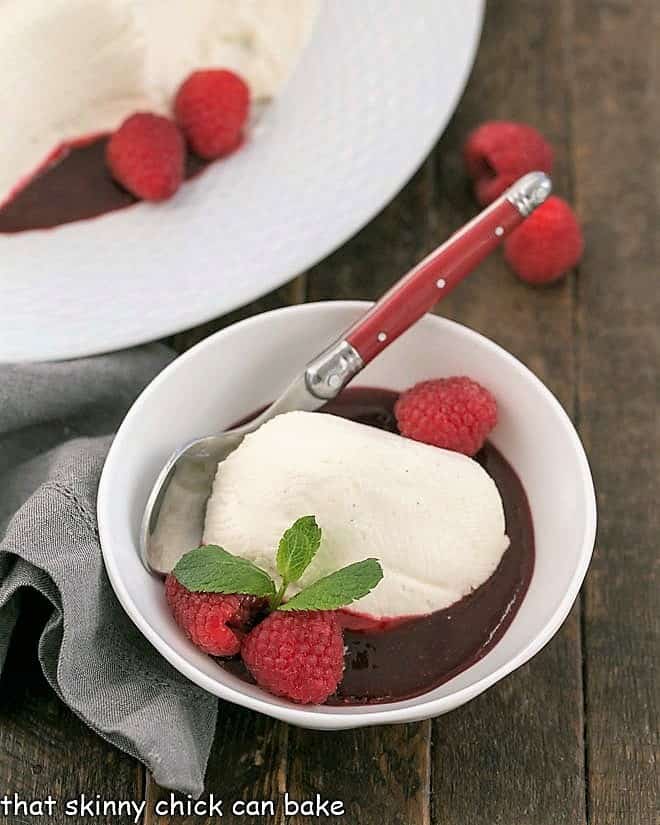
[(146, 155), (547, 244), (454, 413), (297, 654), (215, 622), (211, 107), (498, 152)]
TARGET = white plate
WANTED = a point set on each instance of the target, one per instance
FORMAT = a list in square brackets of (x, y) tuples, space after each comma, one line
[(376, 85)]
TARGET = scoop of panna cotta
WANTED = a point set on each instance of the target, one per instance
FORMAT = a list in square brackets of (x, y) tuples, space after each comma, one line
[(432, 517)]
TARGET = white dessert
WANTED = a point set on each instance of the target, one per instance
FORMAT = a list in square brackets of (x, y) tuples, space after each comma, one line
[(75, 68), (433, 518)]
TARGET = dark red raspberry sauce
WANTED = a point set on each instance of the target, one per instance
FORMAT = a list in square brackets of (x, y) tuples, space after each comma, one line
[(73, 186)]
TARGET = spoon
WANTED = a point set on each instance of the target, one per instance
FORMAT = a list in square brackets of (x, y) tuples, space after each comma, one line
[(174, 513)]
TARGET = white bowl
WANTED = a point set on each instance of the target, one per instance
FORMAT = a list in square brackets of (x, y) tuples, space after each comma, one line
[(241, 368)]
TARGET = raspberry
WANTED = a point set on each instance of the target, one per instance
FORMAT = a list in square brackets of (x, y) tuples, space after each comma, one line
[(547, 244), (146, 155), (299, 655), (498, 152), (211, 108), (454, 413), (215, 622)]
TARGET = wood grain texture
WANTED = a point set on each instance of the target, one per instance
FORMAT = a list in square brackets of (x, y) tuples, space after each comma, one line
[(374, 773), (531, 86), (248, 762), (382, 775), (516, 754), (616, 117), (44, 748)]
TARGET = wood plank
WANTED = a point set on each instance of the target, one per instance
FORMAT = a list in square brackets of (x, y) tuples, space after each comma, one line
[(248, 762), (515, 754), (44, 748), (616, 117), (369, 771), (382, 775), (520, 78)]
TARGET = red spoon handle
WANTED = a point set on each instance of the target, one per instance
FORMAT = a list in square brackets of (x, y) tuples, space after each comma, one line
[(414, 295), (433, 278)]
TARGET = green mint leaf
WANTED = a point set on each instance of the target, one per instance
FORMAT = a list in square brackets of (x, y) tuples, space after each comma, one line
[(211, 569), (297, 548), (338, 589)]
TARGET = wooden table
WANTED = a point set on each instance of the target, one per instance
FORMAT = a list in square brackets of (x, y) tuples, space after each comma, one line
[(572, 736)]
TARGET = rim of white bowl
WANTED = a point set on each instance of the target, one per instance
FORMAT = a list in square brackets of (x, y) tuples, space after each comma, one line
[(352, 716)]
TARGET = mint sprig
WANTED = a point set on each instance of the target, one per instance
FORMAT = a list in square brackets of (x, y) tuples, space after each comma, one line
[(296, 550), (211, 569), (339, 588)]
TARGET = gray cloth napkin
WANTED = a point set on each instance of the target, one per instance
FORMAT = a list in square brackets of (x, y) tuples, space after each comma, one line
[(56, 425)]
